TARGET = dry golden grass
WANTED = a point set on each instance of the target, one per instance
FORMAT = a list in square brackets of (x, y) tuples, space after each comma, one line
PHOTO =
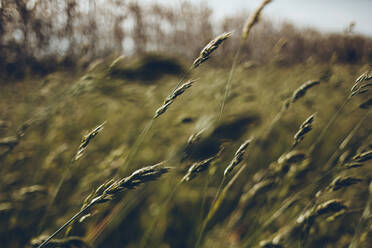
[(268, 195)]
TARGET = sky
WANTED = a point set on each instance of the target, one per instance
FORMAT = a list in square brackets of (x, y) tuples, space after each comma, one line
[(325, 15)]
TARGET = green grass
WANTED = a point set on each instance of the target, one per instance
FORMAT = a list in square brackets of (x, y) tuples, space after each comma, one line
[(64, 108)]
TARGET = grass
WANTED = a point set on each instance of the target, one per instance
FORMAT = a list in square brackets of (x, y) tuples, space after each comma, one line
[(276, 195), (59, 129)]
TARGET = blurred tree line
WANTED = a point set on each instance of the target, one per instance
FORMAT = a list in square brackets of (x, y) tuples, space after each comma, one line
[(40, 36)]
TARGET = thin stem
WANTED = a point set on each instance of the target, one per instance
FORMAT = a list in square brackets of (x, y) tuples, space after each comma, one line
[(329, 124), (346, 141), (219, 190), (277, 117), (214, 207), (66, 224), (137, 144), (204, 223), (97, 234), (147, 128), (54, 196), (226, 93), (363, 220), (299, 193), (228, 83), (202, 205), (142, 137)]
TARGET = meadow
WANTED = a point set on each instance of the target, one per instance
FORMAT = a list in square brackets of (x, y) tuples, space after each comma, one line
[(157, 150)]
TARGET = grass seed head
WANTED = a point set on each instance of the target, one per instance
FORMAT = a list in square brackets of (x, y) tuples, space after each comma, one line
[(337, 215), (253, 20), (301, 91), (305, 127), (269, 244), (238, 157), (143, 175), (341, 182), (364, 77), (195, 137), (209, 48), (363, 157), (331, 206), (162, 109), (360, 91), (201, 166), (286, 162), (306, 216), (362, 83), (86, 140), (292, 157), (196, 168), (353, 165), (258, 189), (64, 242), (10, 141), (179, 91), (170, 99)]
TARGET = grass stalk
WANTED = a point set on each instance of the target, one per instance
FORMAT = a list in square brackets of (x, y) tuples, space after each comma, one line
[(228, 83), (73, 218), (308, 189), (204, 55), (108, 190), (363, 220), (254, 19), (325, 129), (81, 150)]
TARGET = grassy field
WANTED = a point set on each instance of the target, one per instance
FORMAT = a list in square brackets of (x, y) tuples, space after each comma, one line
[(285, 197)]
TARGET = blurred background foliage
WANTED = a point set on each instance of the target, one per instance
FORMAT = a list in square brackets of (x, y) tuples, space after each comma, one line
[(38, 36)]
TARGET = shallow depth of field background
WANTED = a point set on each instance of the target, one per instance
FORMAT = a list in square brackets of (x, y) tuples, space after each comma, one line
[(68, 66)]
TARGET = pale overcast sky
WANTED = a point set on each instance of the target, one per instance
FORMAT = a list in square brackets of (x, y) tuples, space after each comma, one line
[(326, 15)]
